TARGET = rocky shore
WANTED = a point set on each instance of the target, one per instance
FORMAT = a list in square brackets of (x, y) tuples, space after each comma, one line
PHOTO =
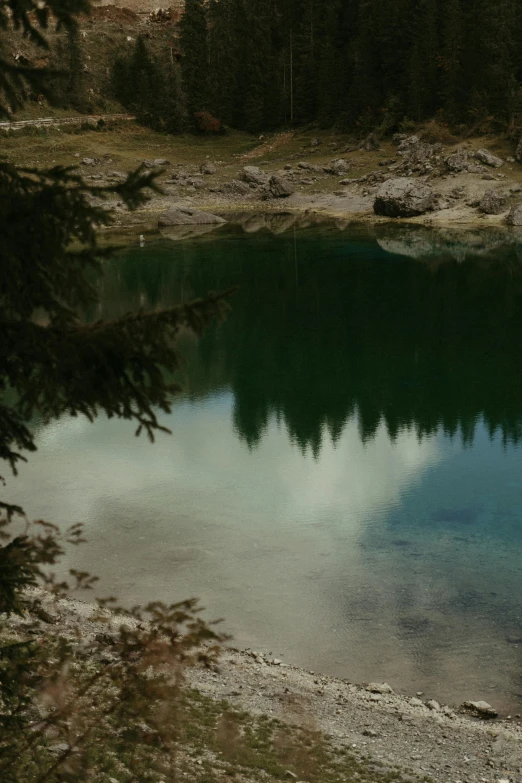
[(423, 183), (413, 736)]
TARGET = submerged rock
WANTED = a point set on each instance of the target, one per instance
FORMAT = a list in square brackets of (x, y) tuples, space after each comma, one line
[(403, 197), (182, 216)]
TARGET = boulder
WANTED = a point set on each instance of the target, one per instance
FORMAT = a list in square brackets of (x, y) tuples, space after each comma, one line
[(489, 159), (254, 175), (518, 153), (379, 687), (308, 166), (90, 161), (515, 215), (403, 197), (493, 203), (337, 167), (208, 168), (370, 143), (418, 152), (280, 187), (480, 708), (405, 143), (458, 160), (236, 187), (182, 216), (156, 163)]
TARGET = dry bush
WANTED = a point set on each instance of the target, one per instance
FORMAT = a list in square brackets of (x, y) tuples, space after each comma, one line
[(206, 123), (437, 132)]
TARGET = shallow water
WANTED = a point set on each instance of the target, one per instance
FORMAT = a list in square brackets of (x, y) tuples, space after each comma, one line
[(343, 481)]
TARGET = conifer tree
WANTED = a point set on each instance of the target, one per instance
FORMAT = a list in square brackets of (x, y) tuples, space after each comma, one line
[(195, 60), (49, 255), (76, 90)]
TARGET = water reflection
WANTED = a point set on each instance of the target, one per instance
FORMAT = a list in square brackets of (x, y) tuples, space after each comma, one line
[(343, 482), (329, 325)]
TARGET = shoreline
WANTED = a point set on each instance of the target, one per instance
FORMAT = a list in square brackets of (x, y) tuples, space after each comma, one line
[(382, 729)]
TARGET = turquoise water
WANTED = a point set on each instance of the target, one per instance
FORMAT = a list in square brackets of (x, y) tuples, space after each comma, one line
[(343, 479)]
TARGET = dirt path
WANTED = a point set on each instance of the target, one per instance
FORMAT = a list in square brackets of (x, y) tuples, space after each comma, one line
[(54, 121), (269, 146)]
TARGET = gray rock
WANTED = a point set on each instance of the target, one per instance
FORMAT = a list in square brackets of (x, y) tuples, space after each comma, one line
[(481, 708), (518, 153), (515, 219), (493, 202), (417, 152), (458, 160), (433, 705), (254, 175), (181, 216), (155, 164), (403, 197), (90, 161), (405, 142), (58, 748), (338, 167), (279, 187), (208, 168), (315, 143), (489, 159), (377, 687), (375, 697), (236, 187), (416, 702), (398, 138), (308, 167), (370, 143), (369, 733)]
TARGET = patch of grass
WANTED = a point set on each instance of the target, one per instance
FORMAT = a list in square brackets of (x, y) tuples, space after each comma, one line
[(239, 745)]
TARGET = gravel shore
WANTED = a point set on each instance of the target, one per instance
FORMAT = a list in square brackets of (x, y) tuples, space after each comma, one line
[(382, 728)]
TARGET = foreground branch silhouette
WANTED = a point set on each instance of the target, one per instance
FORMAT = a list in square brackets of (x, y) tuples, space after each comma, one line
[(78, 706)]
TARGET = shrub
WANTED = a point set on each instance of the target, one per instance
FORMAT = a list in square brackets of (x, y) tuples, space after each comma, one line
[(206, 123)]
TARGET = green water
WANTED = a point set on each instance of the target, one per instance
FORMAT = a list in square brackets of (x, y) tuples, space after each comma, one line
[(343, 481)]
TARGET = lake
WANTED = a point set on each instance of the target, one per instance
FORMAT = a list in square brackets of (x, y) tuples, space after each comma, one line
[(343, 479)]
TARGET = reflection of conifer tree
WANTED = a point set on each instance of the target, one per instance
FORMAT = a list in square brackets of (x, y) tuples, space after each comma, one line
[(335, 347)]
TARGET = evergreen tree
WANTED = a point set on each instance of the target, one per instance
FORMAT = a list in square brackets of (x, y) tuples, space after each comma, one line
[(57, 365), (195, 60), (76, 89)]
